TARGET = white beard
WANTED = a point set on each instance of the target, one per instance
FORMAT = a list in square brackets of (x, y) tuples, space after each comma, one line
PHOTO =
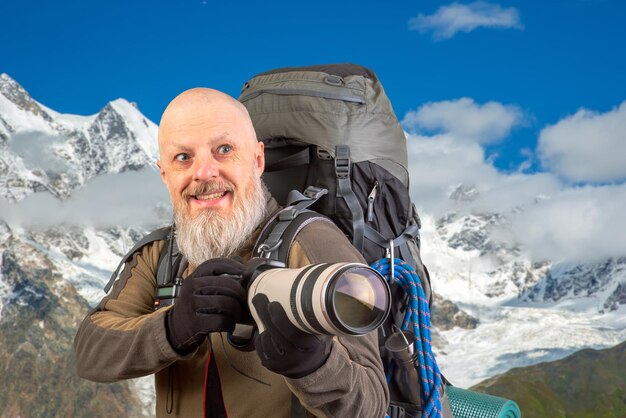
[(211, 234)]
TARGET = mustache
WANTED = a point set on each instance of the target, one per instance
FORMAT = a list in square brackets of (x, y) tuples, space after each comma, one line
[(204, 187)]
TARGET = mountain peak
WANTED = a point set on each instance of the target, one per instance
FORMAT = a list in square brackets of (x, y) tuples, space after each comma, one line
[(17, 95), (6, 79), (145, 129), (464, 193)]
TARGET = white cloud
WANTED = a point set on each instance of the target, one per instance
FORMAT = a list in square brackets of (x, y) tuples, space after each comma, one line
[(449, 20), (441, 163), (587, 146), (575, 224), (465, 119), (548, 217), (124, 199), (36, 150)]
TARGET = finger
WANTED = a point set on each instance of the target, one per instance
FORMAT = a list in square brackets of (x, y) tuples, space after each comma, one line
[(216, 323), (261, 302), (219, 285), (217, 266), (218, 305), (288, 331), (267, 347)]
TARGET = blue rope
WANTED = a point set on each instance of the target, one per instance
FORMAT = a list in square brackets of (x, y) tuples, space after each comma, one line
[(416, 319)]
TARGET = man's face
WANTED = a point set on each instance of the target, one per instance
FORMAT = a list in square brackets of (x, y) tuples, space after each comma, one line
[(209, 158)]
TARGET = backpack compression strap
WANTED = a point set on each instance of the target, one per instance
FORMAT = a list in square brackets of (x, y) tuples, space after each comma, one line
[(410, 232), (344, 190), (157, 235)]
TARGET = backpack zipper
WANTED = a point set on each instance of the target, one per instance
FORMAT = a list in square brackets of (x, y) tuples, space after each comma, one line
[(370, 202), (346, 97)]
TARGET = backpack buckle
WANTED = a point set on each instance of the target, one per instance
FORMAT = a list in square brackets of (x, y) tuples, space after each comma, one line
[(342, 161), (265, 250), (342, 168), (288, 214), (314, 192), (322, 154)]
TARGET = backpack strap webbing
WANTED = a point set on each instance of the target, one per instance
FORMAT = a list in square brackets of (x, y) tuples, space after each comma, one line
[(344, 190), (278, 235), (157, 235), (171, 263), (410, 232), (270, 243)]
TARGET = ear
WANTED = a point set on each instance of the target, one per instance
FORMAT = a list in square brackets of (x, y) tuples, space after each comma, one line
[(260, 157), (161, 171)]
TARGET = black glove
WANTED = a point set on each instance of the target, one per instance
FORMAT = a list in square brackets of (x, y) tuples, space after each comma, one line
[(212, 299), (285, 349)]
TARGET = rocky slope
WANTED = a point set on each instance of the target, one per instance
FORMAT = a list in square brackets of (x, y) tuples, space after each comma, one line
[(40, 313)]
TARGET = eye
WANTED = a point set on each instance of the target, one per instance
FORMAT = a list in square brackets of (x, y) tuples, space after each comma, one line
[(224, 149), (182, 157)]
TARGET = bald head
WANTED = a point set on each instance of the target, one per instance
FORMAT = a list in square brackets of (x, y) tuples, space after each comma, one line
[(200, 104), (211, 164)]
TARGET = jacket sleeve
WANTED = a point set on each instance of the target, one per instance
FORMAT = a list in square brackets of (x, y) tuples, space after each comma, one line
[(352, 381), (123, 337)]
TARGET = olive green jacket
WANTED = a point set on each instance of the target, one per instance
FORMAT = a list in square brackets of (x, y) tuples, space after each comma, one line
[(123, 337)]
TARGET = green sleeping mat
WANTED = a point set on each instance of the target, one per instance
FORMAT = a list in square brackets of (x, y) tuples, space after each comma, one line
[(469, 404)]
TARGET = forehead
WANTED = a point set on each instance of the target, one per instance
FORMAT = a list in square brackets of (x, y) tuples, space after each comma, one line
[(198, 127)]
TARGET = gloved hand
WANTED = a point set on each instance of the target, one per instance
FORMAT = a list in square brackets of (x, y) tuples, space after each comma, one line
[(285, 349), (212, 299)]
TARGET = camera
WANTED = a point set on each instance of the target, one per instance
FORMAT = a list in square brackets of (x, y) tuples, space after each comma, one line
[(327, 298)]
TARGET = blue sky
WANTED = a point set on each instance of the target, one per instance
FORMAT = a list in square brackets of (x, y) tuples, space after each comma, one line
[(551, 59), (523, 100)]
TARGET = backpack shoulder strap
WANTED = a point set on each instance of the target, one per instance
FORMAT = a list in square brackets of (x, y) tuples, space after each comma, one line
[(279, 233), (158, 235)]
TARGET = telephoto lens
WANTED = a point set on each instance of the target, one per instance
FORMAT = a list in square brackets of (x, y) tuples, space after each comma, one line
[(332, 299)]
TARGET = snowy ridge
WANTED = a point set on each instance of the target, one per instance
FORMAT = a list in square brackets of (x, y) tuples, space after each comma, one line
[(146, 131), (43, 150), (528, 312), (18, 111)]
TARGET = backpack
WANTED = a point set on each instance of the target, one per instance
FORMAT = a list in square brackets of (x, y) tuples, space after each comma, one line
[(330, 133)]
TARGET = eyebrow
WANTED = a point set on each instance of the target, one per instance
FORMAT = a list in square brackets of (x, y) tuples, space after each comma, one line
[(224, 136), (180, 147)]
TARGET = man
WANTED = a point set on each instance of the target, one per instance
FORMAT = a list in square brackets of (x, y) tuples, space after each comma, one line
[(211, 163)]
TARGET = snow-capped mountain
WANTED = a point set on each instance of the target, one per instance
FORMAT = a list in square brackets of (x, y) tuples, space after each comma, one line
[(513, 311), (42, 150), (528, 311)]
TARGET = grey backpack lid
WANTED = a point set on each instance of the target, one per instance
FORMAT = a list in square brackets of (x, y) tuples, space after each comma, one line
[(294, 103)]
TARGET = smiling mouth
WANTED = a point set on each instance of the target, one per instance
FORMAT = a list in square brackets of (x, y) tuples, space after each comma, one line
[(210, 196)]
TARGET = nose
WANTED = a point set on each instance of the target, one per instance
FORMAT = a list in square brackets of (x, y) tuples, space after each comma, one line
[(206, 168)]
